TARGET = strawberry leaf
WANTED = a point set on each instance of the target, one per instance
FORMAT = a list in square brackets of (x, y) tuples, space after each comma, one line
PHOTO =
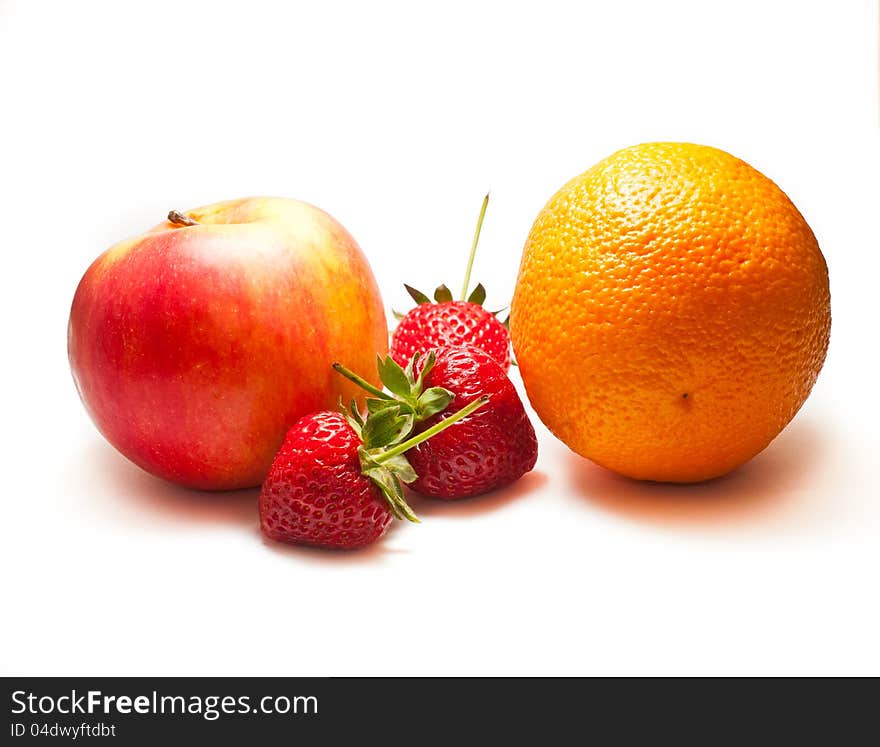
[(389, 484), (352, 416), (402, 468), (385, 427), (376, 405), (416, 295), (433, 400), (442, 294), (411, 365), (478, 295), (430, 360), (387, 476), (355, 413), (394, 378), (397, 315)]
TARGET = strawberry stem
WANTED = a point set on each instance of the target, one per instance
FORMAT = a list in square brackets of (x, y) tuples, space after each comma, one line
[(432, 431), (361, 382), (470, 264)]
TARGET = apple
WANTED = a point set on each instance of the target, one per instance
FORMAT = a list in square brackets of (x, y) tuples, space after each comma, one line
[(196, 345)]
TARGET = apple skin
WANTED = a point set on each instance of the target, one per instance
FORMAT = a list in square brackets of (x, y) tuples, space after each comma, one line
[(195, 348)]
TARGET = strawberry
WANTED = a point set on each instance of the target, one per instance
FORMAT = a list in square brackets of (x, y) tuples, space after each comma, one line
[(449, 322), (492, 448), (336, 481)]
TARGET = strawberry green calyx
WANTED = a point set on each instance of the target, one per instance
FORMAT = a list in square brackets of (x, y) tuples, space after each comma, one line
[(388, 478), (388, 466), (382, 453), (377, 432), (417, 295), (399, 449), (442, 294), (407, 391)]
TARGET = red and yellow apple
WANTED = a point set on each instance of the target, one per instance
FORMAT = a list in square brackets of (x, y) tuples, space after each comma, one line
[(196, 345)]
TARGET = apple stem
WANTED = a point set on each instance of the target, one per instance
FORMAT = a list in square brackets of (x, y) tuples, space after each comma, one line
[(181, 219), (470, 264), (433, 430)]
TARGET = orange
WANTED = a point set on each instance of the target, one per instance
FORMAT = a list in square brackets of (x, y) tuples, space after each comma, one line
[(672, 312)]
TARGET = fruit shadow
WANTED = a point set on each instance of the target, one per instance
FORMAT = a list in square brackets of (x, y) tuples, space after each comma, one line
[(773, 490), (478, 504), (373, 553), (127, 491), (424, 508)]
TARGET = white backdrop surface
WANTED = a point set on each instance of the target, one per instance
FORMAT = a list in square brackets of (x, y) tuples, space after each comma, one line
[(396, 118)]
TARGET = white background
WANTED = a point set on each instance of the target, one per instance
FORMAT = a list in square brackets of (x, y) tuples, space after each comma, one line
[(396, 118)]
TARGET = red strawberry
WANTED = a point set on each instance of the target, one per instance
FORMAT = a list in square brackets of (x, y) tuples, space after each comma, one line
[(492, 448), (449, 322), (336, 480)]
